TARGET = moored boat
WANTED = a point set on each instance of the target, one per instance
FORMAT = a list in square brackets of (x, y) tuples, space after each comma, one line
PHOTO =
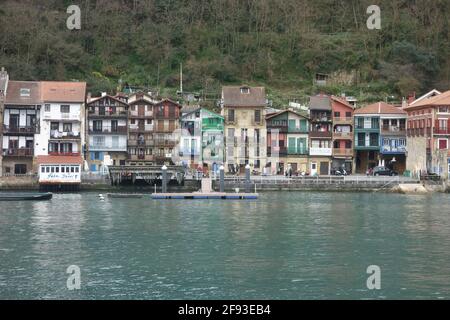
[(25, 196)]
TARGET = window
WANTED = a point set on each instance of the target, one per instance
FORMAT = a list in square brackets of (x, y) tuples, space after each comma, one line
[(54, 126), (443, 144), (375, 123), (99, 141), (348, 114), (47, 108), (348, 144), (361, 139), (231, 115), (245, 90), (65, 109), (25, 92), (443, 110), (257, 116), (360, 123), (337, 114), (67, 127)]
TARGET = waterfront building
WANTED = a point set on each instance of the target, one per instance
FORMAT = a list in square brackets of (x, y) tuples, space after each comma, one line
[(287, 141), (428, 131), (202, 139), (107, 122), (320, 135), (166, 135), (243, 109), (140, 130), (21, 126), (60, 143), (380, 137), (4, 78), (342, 112)]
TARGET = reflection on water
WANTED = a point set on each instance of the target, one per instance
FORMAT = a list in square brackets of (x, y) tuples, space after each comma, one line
[(284, 246)]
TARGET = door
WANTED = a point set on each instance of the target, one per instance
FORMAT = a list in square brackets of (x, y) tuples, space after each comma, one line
[(294, 167), (313, 169), (20, 169), (14, 121), (114, 126), (141, 125), (324, 168), (141, 111), (442, 144)]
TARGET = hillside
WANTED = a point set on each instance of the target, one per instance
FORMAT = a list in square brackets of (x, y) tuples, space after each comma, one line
[(280, 44)]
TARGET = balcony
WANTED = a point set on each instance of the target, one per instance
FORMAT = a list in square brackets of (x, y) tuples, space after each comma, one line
[(189, 153), (441, 131), (62, 116), (165, 143), (301, 152), (363, 146), (393, 150), (141, 143), (164, 130), (320, 152), (140, 115), (280, 128), (146, 128), (20, 129), (66, 154), (140, 157), (343, 121), (107, 114), (19, 152), (393, 131), (343, 135), (274, 151), (320, 134), (108, 130), (341, 152), (230, 120), (55, 134), (321, 119)]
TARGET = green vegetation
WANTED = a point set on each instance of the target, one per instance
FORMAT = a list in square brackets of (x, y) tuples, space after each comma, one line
[(280, 44)]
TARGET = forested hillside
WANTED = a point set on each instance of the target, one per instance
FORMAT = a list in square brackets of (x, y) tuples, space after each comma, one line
[(280, 44)]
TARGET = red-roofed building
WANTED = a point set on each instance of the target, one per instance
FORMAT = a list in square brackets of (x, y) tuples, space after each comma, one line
[(429, 135), (342, 113), (380, 137), (58, 171)]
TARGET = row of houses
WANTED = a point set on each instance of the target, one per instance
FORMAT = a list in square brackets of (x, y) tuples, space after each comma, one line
[(58, 130)]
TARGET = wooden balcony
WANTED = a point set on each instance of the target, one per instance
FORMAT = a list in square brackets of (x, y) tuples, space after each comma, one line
[(320, 134), (165, 143), (445, 131), (108, 130), (65, 154), (341, 152), (143, 143), (140, 157), (19, 152), (343, 121), (20, 129), (343, 135)]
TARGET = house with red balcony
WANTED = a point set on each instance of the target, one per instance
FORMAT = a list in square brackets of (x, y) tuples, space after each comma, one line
[(428, 135), (342, 113)]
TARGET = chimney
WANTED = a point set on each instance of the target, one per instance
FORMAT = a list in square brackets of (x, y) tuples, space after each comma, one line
[(89, 96), (104, 94), (411, 98)]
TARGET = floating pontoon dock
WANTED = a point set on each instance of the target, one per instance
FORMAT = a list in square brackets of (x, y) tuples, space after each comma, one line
[(205, 196)]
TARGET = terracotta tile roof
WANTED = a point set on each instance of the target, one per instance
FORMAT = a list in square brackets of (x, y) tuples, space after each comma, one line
[(379, 108), (58, 91), (343, 101), (233, 97), (320, 102), (169, 100), (13, 95), (73, 160), (442, 99), (94, 99)]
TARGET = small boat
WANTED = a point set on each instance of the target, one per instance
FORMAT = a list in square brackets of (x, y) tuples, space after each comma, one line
[(125, 195), (25, 196)]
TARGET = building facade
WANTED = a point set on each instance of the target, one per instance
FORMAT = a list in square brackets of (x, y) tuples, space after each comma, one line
[(287, 142), (320, 135), (166, 135), (107, 127), (243, 109), (428, 131), (21, 126), (4, 79), (342, 113), (380, 137), (140, 130)]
